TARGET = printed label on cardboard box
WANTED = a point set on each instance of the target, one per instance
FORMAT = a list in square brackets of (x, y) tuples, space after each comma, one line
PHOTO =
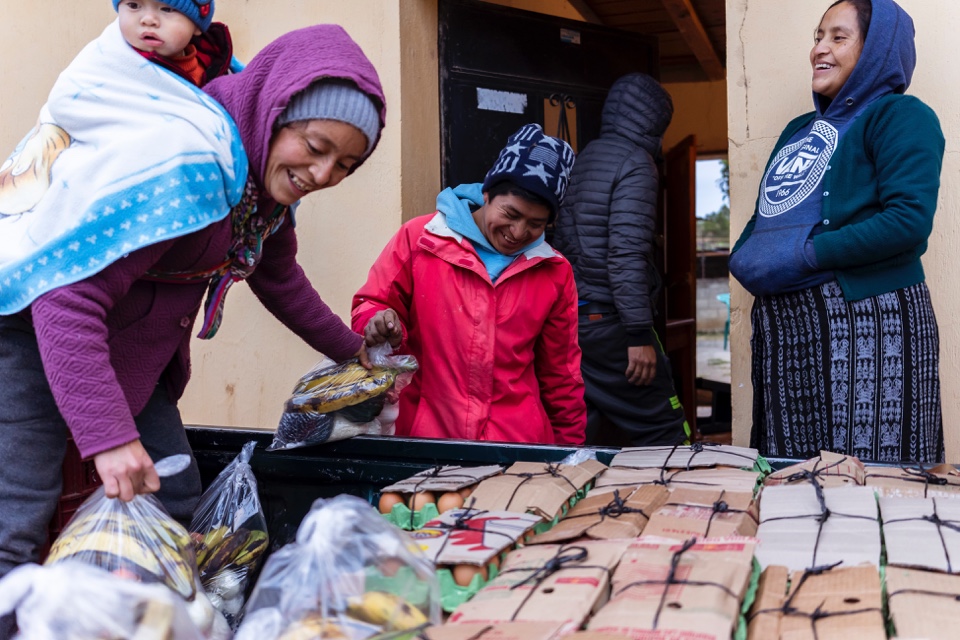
[(705, 513), (561, 583), (835, 604), (684, 589), (914, 482), (498, 631), (472, 536)]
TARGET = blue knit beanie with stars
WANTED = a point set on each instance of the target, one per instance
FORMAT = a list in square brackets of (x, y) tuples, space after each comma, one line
[(536, 162), (199, 11)]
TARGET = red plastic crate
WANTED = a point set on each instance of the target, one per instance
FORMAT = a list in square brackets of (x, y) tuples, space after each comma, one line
[(79, 476), (80, 479)]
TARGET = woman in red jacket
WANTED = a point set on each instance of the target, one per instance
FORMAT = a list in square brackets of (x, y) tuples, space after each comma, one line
[(486, 305)]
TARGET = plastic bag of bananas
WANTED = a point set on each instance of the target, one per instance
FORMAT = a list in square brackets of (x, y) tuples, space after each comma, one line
[(75, 601), (229, 533), (338, 401), (349, 575), (139, 540)]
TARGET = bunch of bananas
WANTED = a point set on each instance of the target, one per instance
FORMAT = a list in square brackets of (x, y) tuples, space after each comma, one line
[(313, 626), (346, 384), (353, 392), (221, 548), (373, 615), (151, 548), (386, 610)]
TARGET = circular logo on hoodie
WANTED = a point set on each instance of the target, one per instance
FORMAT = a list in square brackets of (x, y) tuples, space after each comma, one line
[(797, 169)]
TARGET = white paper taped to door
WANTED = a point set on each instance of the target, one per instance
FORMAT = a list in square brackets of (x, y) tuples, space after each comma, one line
[(505, 101)]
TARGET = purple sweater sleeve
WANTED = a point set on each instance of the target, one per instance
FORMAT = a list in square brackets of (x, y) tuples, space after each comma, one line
[(283, 288), (71, 330)]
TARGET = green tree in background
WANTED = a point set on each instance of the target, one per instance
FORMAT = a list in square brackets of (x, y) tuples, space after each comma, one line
[(724, 181), (713, 230)]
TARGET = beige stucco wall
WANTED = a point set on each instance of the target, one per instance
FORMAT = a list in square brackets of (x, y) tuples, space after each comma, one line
[(768, 76), (699, 108), (244, 374)]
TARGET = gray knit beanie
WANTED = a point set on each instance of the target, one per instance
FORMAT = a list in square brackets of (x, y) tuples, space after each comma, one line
[(334, 99)]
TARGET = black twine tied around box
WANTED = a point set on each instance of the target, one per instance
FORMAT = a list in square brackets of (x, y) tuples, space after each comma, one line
[(918, 474), (567, 557), (817, 614), (694, 449), (662, 481), (939, 523), (719, 507), (818, 473), (671, 580), (550, 469), (697, 448), (924, 592), (821, 517), (614, 509), (432, 474), (665, 481)]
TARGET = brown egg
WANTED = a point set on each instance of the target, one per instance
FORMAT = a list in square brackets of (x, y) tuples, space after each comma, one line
[(390, 566), (387, 500), (448, 501), (463, 574), (494, 562), (418, 500), (466, 491)]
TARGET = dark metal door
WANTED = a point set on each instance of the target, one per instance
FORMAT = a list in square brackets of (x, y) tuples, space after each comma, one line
[(500, 67)]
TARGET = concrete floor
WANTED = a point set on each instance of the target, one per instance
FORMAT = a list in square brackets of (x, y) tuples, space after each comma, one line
[(713, 361)]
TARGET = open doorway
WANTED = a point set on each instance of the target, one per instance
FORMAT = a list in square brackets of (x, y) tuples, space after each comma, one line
[(713, 295)]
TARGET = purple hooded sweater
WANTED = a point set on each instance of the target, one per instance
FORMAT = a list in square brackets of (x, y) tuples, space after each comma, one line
[(108, 340)]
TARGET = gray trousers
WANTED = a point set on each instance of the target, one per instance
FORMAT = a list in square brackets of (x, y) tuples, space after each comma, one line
[(33, 438), (645, 416)]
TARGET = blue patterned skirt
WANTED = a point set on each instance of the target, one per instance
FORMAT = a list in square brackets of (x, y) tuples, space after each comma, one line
[(859, 378)]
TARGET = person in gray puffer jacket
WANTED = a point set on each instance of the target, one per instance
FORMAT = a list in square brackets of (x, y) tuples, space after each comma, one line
[(606, 229)]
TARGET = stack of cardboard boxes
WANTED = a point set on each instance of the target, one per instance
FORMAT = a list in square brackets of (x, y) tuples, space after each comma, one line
[(703, 543)]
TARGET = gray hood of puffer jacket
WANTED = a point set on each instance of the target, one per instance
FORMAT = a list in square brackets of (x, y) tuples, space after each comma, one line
[(607, 220), (638, 109)]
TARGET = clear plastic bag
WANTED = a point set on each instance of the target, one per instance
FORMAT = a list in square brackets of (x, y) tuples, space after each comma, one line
[(349, 575), (338, 401), (76, 601), (138, 540), (579, 456), (229, 532)]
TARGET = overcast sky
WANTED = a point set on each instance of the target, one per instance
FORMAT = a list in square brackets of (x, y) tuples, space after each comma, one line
[(709, 196)]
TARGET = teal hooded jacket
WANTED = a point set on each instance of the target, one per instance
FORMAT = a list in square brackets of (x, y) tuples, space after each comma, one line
[(880, 189)]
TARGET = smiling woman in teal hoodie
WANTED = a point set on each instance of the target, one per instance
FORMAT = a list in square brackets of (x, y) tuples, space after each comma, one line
[(845, 344)]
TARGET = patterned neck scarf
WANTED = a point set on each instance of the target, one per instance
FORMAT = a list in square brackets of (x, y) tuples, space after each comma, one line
[(249, 230)]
